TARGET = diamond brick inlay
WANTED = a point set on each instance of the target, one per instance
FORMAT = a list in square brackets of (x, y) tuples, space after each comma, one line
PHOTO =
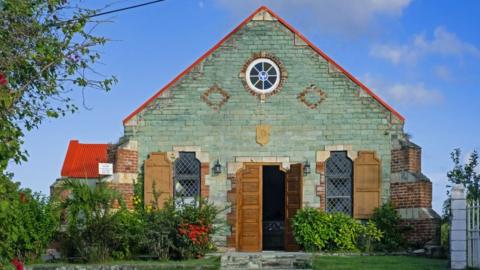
[(312, 96), (215, 97)]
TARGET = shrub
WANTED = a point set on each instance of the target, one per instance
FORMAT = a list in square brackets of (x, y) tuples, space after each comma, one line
[(196, 228), (388, 221), (96, 233), (91, 223), (27, 220), (316, 230), (445, 235), (180, 231)]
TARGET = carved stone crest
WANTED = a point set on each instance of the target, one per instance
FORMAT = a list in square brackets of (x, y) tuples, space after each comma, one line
[(263, 134)]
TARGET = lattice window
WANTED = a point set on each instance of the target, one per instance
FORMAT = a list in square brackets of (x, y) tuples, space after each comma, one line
[(339, 180), (186, 177)]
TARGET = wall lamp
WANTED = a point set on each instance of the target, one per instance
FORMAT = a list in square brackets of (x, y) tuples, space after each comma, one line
[(217, 168), (306, 168)]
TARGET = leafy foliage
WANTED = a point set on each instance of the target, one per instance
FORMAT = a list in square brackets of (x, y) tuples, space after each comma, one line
[(466, 174), (95, 233), (90, 220), (46, 50), (388, 221), (316, 230), (180, 231), (28, 222)]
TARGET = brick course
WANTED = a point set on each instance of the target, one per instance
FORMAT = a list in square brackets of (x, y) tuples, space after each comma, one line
[(204, 171), (407, 159), (126, 191), (422, 230), (411, 194), (232, 215), (126, 161)]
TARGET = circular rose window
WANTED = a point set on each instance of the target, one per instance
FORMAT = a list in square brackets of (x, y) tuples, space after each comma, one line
[(263, 75)]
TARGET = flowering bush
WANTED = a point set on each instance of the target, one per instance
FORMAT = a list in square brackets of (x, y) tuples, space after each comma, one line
[(198, 234), (197, 237)]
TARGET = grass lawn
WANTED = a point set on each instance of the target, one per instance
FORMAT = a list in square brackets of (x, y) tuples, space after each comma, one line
[(209, 263), (378, 262)]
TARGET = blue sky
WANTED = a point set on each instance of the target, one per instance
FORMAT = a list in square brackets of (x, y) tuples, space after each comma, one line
[(422, 57)]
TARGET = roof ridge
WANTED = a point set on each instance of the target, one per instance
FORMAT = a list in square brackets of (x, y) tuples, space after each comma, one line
[(291, 28)]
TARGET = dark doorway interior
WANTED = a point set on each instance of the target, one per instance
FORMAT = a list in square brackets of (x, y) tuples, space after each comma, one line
[(273, 208)]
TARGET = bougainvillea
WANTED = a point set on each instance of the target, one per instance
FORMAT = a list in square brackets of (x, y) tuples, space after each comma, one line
[(198, 234)]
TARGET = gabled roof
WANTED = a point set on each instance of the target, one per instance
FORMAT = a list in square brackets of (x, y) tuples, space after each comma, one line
[(81, 160), (298, 34)]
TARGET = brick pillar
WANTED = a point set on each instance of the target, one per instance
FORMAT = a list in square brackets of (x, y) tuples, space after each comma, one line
[(125, 173), (411, 194), (126, 161)]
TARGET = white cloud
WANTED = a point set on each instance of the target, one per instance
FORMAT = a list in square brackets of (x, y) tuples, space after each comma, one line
[(443, 73), (443, 43), (336, 16), (412, 94), (395, 54)]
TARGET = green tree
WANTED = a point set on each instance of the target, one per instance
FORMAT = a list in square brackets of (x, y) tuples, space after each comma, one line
[(466, 174), (47, 50), (28, 222)]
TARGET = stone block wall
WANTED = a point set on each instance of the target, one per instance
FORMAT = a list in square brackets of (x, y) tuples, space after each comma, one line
[(347, 115)]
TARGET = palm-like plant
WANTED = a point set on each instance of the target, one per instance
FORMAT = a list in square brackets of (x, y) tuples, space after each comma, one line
[(89, 219)]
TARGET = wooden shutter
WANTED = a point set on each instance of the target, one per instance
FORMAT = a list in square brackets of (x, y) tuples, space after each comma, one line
[(158, 177), (366, 184), (293, 202), (249, 219)]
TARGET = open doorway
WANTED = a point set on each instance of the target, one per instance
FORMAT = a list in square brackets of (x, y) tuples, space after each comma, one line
[(273, 214)]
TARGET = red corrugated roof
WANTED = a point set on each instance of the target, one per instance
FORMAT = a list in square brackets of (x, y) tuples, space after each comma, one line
[(287, 25), (81, 160)]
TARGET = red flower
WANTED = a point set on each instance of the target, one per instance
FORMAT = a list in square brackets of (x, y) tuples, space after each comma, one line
[(3, 79), (17, 263)]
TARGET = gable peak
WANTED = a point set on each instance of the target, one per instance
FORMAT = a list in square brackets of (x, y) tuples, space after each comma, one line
[(263, 14)]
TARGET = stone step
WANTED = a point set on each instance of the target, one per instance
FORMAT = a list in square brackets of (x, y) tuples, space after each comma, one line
[(266, 260)]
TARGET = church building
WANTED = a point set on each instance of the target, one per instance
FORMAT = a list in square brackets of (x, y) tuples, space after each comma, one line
[(266, 123)]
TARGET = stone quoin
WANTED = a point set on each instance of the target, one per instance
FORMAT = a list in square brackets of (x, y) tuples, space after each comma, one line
[(264, 102)]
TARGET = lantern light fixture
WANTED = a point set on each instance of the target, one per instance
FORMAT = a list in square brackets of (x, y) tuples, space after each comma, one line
[(306, 168), (217, 168)]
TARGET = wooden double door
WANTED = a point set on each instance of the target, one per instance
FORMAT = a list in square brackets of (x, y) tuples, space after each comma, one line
[(250, 187)]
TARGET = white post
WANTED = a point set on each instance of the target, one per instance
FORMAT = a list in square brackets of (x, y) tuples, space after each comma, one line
[(458, 229)]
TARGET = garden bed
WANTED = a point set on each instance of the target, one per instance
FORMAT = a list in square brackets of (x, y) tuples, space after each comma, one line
[(209, 263)]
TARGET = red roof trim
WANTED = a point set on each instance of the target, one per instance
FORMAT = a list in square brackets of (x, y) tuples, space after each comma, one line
[(291, 28)]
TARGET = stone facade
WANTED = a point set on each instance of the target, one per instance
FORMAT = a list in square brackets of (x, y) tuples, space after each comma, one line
[(222, 124)]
